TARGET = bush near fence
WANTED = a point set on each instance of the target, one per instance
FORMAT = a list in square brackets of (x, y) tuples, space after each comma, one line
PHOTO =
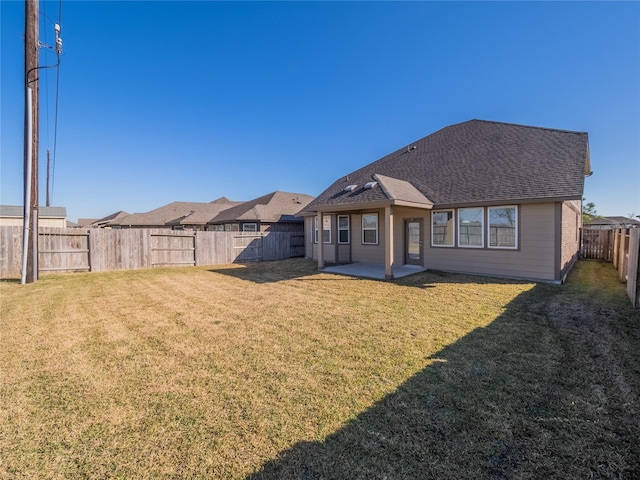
[(100, 250)]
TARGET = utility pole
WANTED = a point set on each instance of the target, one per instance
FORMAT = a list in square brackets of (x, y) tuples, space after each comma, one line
[(31, 60)]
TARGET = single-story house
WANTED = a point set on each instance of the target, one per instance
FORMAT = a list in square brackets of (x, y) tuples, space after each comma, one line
[(478, 197), (274, 212), (175, 215), (13, 215), (610, 223)]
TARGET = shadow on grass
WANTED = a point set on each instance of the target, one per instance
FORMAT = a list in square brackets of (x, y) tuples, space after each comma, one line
[(276, 271), (548, 390), (306, 270)]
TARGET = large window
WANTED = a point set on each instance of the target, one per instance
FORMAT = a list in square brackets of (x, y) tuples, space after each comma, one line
[(326, 229), (471, 227), (442, 228), (343, 229), (503, 227), (370, 228)]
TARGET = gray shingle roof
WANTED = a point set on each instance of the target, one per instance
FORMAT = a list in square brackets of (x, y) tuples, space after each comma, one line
[(43, 211), (176, 213), (274, 207), (471, 163), (613, 221)]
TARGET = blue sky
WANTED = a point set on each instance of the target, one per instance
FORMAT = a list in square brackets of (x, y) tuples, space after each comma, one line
[(190, 101)]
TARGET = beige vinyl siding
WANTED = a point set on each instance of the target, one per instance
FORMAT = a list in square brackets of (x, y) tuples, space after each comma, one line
[(344, 253), (367, 253), (308, 237), (534, 259), (42, 222)]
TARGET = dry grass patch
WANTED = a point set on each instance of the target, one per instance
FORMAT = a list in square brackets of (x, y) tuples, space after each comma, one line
[(279, 371)]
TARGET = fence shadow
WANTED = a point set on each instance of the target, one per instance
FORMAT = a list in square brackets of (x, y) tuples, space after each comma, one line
[(269, 271), (499, 403)]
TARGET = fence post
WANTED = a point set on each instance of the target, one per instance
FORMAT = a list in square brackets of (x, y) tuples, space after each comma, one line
[(622, 250), (633, 277)]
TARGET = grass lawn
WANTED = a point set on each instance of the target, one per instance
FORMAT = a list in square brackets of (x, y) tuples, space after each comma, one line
[(275, 371)]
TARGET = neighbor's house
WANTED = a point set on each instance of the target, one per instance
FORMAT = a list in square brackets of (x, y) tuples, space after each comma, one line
[(176, 215), (275, 212), (477, 197), (12, 215), (104, 222), (610, 223)]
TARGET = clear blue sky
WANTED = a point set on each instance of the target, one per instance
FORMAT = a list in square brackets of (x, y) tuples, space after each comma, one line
[(190, 101)]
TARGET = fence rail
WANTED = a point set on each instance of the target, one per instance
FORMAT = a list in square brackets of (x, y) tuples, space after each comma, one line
[(620, 246), (100, 250)]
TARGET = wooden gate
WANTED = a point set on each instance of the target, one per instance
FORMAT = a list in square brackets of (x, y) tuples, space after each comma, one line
[(63, 251), (169, 249), (248, 247), (597, 244)]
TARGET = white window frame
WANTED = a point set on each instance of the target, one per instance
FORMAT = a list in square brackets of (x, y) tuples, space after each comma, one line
[(453, 227), (482, 222), (254, 229), (326, 222), (315, 229), (344, 229), (516, 224), (370, 229)]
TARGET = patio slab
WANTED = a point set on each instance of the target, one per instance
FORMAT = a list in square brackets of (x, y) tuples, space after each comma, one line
[(369, 270)]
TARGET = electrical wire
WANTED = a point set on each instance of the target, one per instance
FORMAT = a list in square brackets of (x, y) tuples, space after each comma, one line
[(55, 122), (57, 96)]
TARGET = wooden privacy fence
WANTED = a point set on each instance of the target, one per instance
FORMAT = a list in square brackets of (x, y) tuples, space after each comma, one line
[(620, 246), (597, 244), (100, 250)]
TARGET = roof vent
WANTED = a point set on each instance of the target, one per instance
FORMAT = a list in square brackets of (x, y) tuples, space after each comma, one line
[(370, 185), (350, 188)]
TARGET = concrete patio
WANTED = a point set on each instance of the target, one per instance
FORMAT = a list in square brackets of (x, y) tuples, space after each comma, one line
[(369, 270)]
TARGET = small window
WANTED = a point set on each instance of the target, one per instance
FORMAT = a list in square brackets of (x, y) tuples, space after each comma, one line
[(326, 229), (249, 227), (503, 227), (471, 227), (216, 228), (442, 228), (343, 229), (370, 228), (231, 227)]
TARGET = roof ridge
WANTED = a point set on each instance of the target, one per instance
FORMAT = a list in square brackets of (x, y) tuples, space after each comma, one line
[(522, 125)]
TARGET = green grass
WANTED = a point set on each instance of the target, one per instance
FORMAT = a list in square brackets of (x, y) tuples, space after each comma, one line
[(273, 371)]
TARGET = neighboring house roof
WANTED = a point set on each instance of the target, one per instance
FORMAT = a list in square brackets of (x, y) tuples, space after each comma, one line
[(472, 162), (107, 221), (86, 222), (177, 213), (614, 221), (274, 207), (206, 212), (43, 212)]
